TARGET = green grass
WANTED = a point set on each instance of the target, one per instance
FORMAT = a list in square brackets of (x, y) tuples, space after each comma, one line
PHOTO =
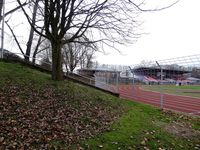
[(185, 90), (66, 115), (35, 105), (21, 75), (144, 127)]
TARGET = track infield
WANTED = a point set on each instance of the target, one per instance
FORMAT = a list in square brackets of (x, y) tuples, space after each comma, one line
[(183, 99)]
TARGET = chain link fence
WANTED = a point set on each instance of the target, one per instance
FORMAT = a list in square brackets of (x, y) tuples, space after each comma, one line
[(169, 84)]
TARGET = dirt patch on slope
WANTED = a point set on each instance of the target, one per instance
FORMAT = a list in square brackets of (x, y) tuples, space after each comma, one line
[(182, 130)]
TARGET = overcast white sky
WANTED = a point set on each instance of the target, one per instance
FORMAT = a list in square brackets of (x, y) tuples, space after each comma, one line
[(173, 32)]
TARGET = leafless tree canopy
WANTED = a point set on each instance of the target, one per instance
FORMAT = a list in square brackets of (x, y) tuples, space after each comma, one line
[(79, 54), (113, 20), (109, 21), (10, 11)]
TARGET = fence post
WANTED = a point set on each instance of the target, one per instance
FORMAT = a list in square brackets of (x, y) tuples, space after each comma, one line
[(161, 86)]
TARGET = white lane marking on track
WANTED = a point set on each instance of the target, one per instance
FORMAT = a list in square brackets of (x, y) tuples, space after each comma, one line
[(195, 113)]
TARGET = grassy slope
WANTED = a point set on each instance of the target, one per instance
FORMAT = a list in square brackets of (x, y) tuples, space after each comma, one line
[(36, 112)]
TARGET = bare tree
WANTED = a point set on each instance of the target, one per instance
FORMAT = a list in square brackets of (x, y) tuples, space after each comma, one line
[(39, 48), (3, 14), (45, 62), (27, 52), (78, 54), (31, 34), (86, 61), (195, 72), (43, 51), (12, 10), (111, 20), (15, 38), (71, 55)]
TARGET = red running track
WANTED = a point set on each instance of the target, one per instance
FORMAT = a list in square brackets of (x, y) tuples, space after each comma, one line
[(184, 104)]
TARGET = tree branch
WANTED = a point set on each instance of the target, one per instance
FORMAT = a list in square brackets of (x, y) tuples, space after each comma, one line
[(29, 21), (20, 48), (149, 10)]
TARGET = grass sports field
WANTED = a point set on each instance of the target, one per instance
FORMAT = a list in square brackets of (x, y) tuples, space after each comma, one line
[(184, 90)]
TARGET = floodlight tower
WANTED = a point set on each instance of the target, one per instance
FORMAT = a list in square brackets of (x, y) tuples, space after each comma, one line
[(132, 71), (161, 86), (2, 30)]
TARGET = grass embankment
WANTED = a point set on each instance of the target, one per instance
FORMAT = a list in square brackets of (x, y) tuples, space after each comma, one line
[(38, 113)]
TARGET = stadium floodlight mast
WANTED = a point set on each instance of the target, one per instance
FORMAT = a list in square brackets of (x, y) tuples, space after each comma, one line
[(161, 85), (117, 81), (2, 30), (132, 71)]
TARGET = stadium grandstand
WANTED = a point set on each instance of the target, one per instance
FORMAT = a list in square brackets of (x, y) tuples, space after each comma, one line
[(170, 75)]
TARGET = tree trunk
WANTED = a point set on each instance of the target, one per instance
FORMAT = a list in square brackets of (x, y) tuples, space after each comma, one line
[(29, 43), (57, 73), (34, 55), (36, 48)]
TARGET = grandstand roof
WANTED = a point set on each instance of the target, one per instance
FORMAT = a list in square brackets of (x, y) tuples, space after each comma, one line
[(98, 70), (147, 70)]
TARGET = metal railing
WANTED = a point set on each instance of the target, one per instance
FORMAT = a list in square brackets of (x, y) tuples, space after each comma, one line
[(93, 82), (86, 80)]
